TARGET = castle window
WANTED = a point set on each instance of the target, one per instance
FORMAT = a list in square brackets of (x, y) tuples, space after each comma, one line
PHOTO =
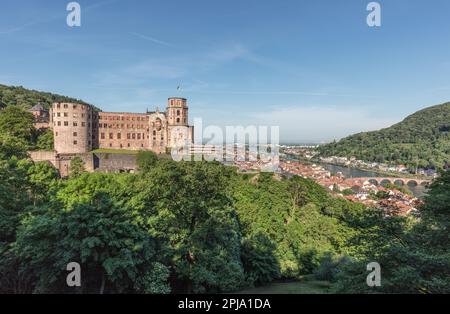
[(58, 114), (128, 136), (121, 146), (133, 136), (139, 136), (56, 134), (178, 112), (74, 106), (66, 123), (128, 144), (89, 142), (83, 115), (154, 132), (105, 125), (83, 124), (178, 120), (66, 114), (119, 136), (75, 124), (58, 106), (59, 123), (66, 106), (102, 136), (75, 143), (111, 136), (110, 145), (75, 134)]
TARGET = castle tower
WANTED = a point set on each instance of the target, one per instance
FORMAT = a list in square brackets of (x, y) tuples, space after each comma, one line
[(177, 111), (179, 132), (72, 128)]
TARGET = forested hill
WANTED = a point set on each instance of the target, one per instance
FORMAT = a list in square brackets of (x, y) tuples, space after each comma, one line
[(422, 139), (26, 98)]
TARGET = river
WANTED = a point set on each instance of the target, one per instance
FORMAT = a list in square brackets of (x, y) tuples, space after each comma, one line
[(418, 191)]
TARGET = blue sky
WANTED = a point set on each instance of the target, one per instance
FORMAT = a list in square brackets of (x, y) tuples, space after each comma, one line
[(314, 68)]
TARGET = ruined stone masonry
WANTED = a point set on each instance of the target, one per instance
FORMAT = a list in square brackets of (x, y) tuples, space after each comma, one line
[(79, 129)]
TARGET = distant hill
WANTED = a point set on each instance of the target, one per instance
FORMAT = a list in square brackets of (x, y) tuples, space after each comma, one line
[(421, 140), (26, 98)]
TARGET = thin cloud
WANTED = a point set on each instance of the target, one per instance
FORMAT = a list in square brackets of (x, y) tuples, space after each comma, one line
[(154, 40)]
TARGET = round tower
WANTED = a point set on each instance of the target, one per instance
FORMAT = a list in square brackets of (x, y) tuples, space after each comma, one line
[(72, 128), (177, 112)]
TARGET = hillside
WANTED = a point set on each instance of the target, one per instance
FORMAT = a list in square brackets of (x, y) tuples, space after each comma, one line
[(26, 98), (422, 139)]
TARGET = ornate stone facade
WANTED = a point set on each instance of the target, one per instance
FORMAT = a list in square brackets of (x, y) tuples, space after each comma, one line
[(80, 128)]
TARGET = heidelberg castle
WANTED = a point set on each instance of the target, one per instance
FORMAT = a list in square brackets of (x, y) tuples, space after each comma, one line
[(79, 129)]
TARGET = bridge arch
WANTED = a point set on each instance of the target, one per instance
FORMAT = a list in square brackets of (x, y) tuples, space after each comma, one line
[(413, 183), (385, 182), (399, 182)]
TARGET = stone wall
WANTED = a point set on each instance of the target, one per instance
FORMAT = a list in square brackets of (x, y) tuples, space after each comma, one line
[(123, 131), (114, 163)]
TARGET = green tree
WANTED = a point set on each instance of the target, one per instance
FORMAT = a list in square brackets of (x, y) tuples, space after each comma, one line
[(185, 206), (45, 141), (76, 167), (414, 254), (116, 256), (17, 123), (12, 147), (146, 161)]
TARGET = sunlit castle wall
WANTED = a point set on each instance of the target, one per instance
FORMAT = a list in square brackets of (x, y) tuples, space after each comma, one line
[(72, 127)]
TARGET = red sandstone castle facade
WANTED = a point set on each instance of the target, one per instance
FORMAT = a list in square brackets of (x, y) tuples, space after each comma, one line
[(80, 128)]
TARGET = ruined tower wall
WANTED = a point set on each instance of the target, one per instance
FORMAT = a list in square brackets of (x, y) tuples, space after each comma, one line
[(72, 128)]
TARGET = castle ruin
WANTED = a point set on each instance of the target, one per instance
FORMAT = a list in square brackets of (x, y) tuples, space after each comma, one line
[(79, 129)]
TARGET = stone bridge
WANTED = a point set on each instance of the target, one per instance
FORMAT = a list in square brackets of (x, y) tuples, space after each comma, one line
[(396, 181)]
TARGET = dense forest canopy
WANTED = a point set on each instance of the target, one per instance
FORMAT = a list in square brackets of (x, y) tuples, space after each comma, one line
[(422, 140), (26, 98), (200, 227)]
